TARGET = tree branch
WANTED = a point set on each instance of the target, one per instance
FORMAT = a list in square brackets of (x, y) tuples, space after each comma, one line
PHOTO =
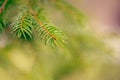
[(3, 6)]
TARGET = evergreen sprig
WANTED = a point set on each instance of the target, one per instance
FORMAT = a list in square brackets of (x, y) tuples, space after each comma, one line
[(28, 21), (22, 25), (46, 30)]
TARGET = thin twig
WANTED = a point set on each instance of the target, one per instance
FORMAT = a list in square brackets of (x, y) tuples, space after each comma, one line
[(3, 6)]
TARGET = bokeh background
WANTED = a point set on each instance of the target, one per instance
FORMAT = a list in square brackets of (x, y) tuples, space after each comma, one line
[(92, 52)]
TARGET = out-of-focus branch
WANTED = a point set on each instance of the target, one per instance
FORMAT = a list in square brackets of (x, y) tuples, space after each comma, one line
[(3, 6)]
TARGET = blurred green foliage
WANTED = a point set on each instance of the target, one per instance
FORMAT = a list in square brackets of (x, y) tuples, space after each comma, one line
[(81, 57)]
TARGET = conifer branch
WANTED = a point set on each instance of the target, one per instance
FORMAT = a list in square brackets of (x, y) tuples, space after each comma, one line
[(46, 30), (22, 25), (29, 21), (44, 27)]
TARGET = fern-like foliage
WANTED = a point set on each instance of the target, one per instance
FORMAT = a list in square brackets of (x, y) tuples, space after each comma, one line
[(46, 30), (28, 21), (22, 25)]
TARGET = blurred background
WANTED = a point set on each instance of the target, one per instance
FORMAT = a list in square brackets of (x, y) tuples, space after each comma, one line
[(92, 52)]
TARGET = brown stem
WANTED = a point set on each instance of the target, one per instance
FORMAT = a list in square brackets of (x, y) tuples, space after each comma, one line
[(40, 23), (3, 6)]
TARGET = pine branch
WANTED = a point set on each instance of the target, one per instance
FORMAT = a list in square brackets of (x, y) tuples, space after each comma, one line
[(3, 6), (46, 30), (22, 25), (28, 20)]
